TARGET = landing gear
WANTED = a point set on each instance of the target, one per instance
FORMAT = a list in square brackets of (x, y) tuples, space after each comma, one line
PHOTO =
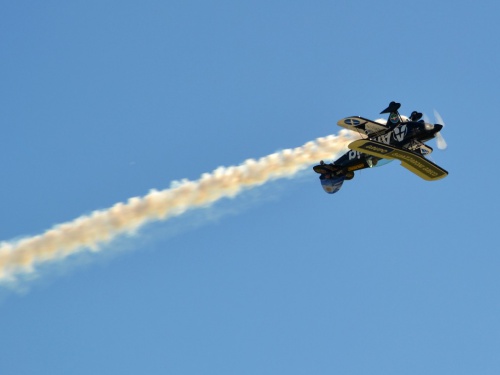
[(349, 175), (372, 162)]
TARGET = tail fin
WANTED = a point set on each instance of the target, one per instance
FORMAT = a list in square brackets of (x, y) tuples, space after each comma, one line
[(394, 117)]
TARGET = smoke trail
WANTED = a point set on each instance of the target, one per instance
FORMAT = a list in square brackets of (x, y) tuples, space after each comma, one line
[(87, 232)]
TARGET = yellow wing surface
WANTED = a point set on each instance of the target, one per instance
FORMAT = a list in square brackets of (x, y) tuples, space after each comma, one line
[(411, 161)]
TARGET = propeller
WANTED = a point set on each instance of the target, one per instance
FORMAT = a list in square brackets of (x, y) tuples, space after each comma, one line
[(441, 143)]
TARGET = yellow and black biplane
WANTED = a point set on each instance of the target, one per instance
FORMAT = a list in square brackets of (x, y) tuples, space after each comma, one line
[(399, 138)]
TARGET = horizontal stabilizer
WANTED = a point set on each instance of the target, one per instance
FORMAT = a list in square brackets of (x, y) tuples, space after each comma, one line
[(411, 161), (325, 168)]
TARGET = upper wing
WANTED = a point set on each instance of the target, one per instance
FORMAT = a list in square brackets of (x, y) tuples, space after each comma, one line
[(363, 125), (411, 161)]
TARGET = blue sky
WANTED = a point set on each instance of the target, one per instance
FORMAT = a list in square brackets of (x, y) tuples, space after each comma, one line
[(102, 101)]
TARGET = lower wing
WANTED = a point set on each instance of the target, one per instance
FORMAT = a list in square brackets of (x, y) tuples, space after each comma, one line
[(411, 161)]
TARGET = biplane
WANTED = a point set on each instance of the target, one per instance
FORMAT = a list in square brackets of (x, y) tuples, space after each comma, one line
[(399, 137)]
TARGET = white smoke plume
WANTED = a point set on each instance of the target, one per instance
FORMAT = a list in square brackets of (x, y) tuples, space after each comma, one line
[(88, 232)]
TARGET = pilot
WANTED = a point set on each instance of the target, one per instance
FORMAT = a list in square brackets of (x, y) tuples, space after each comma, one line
[(416, 116)]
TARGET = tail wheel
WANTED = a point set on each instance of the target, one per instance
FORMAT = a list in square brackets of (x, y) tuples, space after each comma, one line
[(349, 176)]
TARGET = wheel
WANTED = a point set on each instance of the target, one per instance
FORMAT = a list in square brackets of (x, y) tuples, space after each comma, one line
[(349, 176)]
